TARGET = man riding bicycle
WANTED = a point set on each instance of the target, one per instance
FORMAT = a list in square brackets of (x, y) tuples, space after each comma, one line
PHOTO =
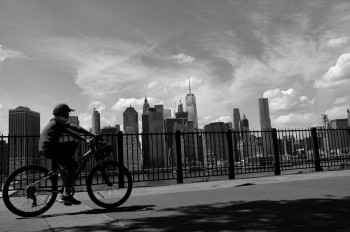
[(62, 152)]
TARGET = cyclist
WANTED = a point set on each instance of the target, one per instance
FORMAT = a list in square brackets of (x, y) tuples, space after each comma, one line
[(62, 152)]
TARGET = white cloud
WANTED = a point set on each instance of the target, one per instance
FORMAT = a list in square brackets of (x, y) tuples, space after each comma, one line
[(96, 105), (152, 84), (223, 119), (342, 100), (338, 41), (338, 112), (183, 59), (280, 100), (294, 120), (85, 120), (9, 54), (338, 75), (124, 103)]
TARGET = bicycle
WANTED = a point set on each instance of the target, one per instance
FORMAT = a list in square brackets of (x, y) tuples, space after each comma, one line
[(31, 190)]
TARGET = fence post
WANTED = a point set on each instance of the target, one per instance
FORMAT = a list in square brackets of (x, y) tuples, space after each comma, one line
[(231, 163), (178, 157), (316, 151), (120, 155), (275, 152)]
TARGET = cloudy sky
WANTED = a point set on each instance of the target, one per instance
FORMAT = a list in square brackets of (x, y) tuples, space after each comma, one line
[(108, 54)]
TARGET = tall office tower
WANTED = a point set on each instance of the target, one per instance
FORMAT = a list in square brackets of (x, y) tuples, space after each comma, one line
[(153, 143), (145, 106), (74, 119), (110, 136), (264, 112), (131, 120), (191, 107), (181, 114), (96, 123), (325, 121), (216, 143), (131, 142), (166, 113), (23, 150), (236, 119), (4, 159), (244, 124), (348, 111), (265, 124)]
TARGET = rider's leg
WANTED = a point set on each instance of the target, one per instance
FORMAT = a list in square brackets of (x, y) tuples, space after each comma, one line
[(69, 181), (67, 160)]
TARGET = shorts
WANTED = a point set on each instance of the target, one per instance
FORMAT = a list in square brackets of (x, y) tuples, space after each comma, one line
[(63, 154)]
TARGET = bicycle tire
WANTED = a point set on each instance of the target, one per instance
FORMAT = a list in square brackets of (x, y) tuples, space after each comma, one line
[(109, 196), (27, 200)]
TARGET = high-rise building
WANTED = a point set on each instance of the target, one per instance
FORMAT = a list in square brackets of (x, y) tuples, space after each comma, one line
[(110, 136), (23, 122), (339, 124), (236, 119), (131, 142), (325, 121), (74, 119), (348, 111), (96, 123), (191, 108), (264, 112), (131, 120), (152, 142), (244, 124), (145, 106), (265, 124), (215, 143), (166, 113)]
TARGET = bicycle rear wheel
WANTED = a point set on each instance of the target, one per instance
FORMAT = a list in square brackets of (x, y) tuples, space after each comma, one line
[(109, 185), (28, 191)]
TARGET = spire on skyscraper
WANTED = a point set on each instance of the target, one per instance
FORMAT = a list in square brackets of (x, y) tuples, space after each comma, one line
[(189, 84)]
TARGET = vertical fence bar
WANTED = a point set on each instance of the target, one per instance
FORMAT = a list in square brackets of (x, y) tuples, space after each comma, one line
[(275, 152), (120, 159), (231, 163), (316, 151), (178, 157)]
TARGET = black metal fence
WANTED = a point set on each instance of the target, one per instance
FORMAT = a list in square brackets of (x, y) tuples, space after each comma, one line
[(180, 155)]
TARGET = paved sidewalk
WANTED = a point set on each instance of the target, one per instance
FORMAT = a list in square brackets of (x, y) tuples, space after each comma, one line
[(299, 202)]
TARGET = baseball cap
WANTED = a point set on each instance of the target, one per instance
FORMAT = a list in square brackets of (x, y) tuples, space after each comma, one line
[(62, 107)]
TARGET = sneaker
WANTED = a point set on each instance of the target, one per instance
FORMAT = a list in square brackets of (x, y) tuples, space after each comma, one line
[(68, 199)]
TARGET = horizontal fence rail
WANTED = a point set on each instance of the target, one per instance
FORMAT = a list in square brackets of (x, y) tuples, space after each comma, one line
[(180, 155)]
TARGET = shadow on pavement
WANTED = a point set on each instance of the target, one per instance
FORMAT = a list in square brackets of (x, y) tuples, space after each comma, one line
[(297, 215), (102, 211)]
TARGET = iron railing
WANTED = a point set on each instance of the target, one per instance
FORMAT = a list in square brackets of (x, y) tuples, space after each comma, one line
[(180, 155)]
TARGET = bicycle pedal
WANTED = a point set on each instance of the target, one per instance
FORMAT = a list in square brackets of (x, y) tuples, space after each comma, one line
[(68, 204)]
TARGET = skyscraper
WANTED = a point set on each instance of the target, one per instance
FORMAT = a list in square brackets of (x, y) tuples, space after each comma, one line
[(131, 120), (244, 124), (96, 124), (131, 142), (23, 122), (348, 111), (153, 143), (191, 107), (265, 124), (236, 119), (264, 112), (74, 119)]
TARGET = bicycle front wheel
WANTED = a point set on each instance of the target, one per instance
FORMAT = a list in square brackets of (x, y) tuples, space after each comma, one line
[(109, 185), (29, 191)]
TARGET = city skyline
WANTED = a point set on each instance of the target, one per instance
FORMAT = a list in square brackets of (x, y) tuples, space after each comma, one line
[(107, 54)]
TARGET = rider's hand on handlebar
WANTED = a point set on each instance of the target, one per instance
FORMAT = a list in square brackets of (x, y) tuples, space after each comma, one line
[(98, 138)]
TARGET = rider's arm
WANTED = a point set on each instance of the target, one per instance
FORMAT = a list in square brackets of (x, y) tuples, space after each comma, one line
[(79, 130)]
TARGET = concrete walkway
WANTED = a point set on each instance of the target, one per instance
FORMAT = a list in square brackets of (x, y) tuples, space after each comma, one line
[(299, 202)]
